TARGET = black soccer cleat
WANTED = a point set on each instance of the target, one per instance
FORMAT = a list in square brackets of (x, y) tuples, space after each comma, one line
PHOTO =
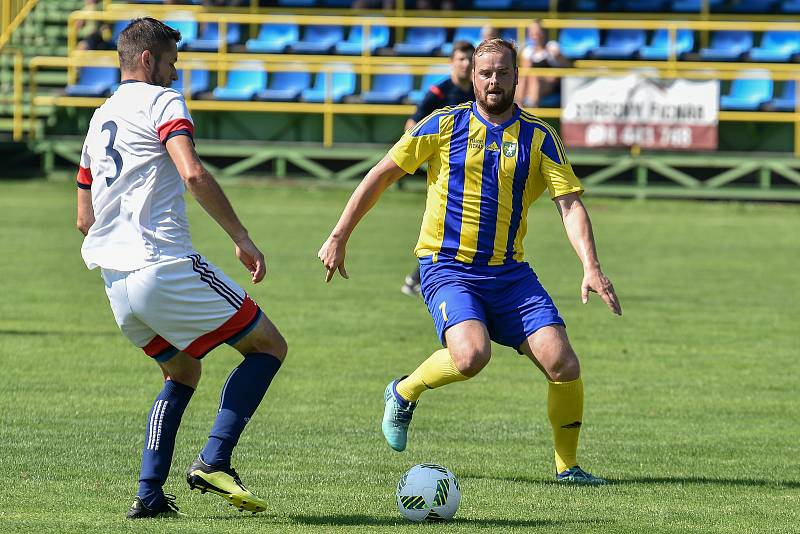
[(168, 509)]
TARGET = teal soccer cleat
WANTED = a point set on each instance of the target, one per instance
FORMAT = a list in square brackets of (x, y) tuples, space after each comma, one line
[(579, 477), (396, 417)]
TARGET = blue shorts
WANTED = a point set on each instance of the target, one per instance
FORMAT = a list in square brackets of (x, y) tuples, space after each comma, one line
[(508, 299)]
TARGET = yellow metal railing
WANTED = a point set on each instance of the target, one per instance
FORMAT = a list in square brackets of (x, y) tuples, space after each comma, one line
[(329, 109), (12, 13)]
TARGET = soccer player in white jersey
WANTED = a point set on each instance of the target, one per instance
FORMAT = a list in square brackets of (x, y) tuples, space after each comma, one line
[(137, 161)]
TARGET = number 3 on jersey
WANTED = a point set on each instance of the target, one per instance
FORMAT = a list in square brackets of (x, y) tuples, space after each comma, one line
[(111, 126)]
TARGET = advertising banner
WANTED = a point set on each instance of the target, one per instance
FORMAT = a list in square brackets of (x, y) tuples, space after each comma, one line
[(637, 110)]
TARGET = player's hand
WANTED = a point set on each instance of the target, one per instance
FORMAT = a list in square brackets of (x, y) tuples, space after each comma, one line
[(251, 258), (332, 256), (595, 281)]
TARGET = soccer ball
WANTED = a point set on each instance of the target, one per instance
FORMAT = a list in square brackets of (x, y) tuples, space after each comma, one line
[(428, 492)]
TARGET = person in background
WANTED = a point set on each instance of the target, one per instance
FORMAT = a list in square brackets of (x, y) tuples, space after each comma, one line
[(537, 91)]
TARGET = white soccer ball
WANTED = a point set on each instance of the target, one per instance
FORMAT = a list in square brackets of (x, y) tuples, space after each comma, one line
[(428, 492)]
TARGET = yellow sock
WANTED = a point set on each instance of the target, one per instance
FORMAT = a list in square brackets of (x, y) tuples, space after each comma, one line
[(565, 410), (434, 372)]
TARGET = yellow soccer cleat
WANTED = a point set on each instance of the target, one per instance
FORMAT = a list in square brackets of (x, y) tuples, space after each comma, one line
[(225, 483)]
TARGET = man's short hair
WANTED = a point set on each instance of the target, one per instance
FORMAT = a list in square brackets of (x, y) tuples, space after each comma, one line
[(144, 34), (462, 46), (497, 45)]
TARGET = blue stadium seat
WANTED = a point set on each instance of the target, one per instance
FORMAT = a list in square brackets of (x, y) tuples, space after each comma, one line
[(388, 89), (209, 38), (728, 46), (620, 44), (199, 81), (337, 3), (421, 41), (752, 6), (243, 84), (273, 38), (509, 34), (790, 6), (748, 94), (777, 46), (586, 5), (470, 34), (659, 45), (531, 5), (494, 5), (343, 84), (354, 45), (644, 5), (577, 42), (788, 99), (318, 40), (428, 79), (694, 6), (94, 81), (188, 29), (117, 29), (285, 86), (297, 3)]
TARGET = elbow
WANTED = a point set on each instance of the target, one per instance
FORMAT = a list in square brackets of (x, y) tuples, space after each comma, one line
[(194, 176), (83, 227)]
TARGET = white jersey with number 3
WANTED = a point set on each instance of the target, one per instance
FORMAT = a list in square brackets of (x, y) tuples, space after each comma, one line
[(137, 193)]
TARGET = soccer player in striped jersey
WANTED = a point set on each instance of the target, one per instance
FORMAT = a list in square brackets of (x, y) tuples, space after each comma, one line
[(137, 161), (487, 162)]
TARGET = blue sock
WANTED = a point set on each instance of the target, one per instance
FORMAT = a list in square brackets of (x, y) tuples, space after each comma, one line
[(159, 441), (241, 395)]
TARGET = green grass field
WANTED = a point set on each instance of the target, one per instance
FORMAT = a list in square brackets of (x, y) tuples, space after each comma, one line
[(692, 403)]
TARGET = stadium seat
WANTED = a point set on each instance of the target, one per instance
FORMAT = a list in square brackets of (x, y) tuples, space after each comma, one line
[(788, 99), (199, 81), (117, 29), (297, 3), (577, 42), (493, 5), (388, 89), (421, 41), (343, 84), (429, 79), (694, 6), (354, 45), (531, 5), (748, 94), (318, 40), (337, 3), (620, 44), (728, 46), (285, 86), (644, 5), (752, 6), (188, 29), (776, 46), (659, 45), (273, 38), (94, 81), (586, 5), (790, 6), (242, 84), (209, 38), (470, 34)]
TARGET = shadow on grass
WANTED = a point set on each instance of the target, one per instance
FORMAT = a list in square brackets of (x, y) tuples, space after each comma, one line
[(11, 332), (365, 520), (745, 482)]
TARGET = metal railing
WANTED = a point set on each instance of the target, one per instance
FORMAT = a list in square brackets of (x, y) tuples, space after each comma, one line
[(12, 13)]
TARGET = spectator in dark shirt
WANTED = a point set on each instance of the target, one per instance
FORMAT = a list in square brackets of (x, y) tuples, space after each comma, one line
[(457, 89)]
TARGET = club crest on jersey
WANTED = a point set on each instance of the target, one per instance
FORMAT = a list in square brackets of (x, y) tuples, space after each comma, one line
[(509, 149)]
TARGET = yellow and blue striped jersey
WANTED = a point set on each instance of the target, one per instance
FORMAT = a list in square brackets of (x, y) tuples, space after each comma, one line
[(481, 180)]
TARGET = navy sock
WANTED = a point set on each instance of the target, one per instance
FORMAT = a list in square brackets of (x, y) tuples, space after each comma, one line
[(241, 395), (159, 441)]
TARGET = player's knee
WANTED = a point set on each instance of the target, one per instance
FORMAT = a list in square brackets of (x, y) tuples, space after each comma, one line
[(272, 342), (471, 360), (565, 368)]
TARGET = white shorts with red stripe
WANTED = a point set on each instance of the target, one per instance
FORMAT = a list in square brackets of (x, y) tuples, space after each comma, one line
[(186, 304)]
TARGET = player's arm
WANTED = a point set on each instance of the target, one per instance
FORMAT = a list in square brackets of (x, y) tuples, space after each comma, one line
[(579, 231), (85, 211), (202, 185), (377, 180)]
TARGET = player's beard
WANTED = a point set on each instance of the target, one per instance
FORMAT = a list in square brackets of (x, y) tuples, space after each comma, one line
[(498, 107)]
